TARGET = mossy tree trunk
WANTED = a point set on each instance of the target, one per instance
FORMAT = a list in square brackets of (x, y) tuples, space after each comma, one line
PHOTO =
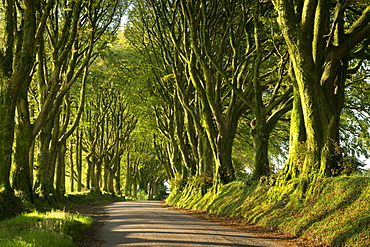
[(260, 147), (7, 110), (117, 179), (60, 174), (72, 176), (24, 138), (7, 98), (297, 140), (41, 186), (128, 176), (319, 48), (79, 138), (16, 64)]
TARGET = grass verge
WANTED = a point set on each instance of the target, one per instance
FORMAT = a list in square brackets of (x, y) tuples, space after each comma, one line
[(55, 228), (48, 222), (337, 215)]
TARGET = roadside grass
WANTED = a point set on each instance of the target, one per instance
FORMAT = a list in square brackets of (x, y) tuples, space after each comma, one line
[(337, 215), (55, 228), (48, 222)]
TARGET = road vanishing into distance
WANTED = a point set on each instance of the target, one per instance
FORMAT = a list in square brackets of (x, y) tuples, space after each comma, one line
[(147, 223)]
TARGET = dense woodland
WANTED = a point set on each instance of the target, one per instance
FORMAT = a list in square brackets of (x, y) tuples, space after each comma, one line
[(196, 93)]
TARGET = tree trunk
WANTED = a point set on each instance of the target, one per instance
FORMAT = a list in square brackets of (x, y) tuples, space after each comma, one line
[(106, 175), (260, 147), (79, 138), (71, 164), (97, 174), (319, 51), (294, 165), (225, 146), (42, 185), (7, 110), (321, 116), (14, 80), (24, 139), (117, 179), (89, 172), (128, 184), (60, 171)]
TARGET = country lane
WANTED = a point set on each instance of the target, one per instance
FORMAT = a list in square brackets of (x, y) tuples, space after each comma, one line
[(147, 223)]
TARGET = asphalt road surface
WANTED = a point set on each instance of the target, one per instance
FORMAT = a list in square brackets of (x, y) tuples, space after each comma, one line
[(147, 223)]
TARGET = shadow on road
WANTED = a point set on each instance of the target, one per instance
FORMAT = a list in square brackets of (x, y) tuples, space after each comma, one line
[(146, 223)]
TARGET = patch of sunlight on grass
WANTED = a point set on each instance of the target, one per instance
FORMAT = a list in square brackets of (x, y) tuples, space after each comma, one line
[(55, 228)]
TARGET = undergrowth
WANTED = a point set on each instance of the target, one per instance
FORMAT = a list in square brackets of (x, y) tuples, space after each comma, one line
[(338, 214)]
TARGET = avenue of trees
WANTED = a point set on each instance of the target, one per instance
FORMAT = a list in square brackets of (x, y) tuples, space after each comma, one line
[(273, 78), (198, 93)]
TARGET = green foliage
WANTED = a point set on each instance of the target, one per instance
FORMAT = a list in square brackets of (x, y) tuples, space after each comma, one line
[(355, 117), (142, 195), (337, 215), (55, 228)]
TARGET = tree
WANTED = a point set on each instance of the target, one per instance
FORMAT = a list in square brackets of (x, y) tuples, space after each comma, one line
[(354, 132), (214, 74), (22, 30), (323, 38), (271, 89), (63, 55), (109, 120)]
